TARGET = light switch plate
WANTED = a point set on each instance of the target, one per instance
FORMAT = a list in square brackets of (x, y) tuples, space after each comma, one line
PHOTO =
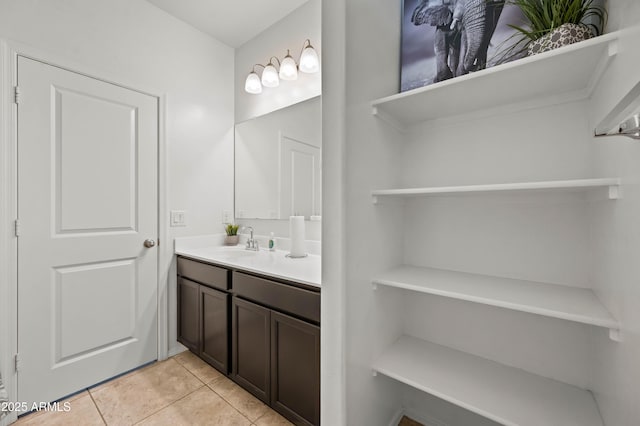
[(226, 216), (178, 218)]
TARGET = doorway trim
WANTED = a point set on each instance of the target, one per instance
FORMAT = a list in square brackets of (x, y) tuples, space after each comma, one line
[(9, 53)]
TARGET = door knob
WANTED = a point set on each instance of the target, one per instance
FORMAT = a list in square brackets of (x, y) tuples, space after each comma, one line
[(149, 243)]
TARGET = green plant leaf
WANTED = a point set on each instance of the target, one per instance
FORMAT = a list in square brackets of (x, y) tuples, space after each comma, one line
[(231, 229), (544, 16)]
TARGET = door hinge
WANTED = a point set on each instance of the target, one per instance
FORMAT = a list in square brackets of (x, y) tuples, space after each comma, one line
[(16, 363), (17, 227), (16, 93)]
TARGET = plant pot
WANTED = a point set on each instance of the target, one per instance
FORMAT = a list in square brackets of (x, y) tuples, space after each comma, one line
[(562, 36), (231, 240)]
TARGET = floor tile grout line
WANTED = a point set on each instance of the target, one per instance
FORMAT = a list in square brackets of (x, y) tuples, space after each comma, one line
[(184, 396), (234, 407), (203, 384), (169, 405), (97, 407), (109, 382), (194, 374)]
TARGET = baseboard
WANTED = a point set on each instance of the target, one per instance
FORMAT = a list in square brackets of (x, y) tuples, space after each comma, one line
[(174, 350), (396, 417), (423, 418)]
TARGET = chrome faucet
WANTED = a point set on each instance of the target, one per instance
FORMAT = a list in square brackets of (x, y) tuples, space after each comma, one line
[(252, 244)]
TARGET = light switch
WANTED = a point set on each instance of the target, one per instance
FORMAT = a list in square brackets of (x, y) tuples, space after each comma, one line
[(178, 218), (226, 216)]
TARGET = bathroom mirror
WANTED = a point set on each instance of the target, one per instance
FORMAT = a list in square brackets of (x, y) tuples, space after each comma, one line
[(278, 163)]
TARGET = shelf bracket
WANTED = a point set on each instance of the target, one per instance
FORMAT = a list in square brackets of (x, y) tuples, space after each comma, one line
[(615, 334), (615, 192), (374, 286), (374, 373), (601, 67), (374, 199), (377, 112)]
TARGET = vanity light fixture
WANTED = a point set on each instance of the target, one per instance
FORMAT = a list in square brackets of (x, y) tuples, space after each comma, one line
[(287, 69), (309, 62), (270, 74), (252, 84)]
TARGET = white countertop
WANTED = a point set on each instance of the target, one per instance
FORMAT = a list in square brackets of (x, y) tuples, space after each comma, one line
[(275, 264)]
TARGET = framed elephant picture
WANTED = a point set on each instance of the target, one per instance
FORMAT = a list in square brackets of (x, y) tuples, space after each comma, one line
[(443, 39)]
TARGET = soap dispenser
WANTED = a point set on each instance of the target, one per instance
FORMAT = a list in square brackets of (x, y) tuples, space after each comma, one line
[(272, 243)]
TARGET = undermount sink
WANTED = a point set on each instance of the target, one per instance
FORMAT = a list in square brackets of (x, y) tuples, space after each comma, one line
[(236, 253)]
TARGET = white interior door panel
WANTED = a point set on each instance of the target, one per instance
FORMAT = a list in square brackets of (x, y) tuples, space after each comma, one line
[(87, 201)]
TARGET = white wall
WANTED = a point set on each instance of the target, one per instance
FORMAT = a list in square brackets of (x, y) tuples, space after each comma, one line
[(616, 231), (133, 42), (288, 33), (334, 231), (374, 242)]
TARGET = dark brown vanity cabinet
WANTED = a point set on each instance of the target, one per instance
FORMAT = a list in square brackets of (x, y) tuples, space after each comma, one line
[(251, 344), (295, 369), (203, 311), (214, 347), (189, 314), (276, 345), (264, 334)]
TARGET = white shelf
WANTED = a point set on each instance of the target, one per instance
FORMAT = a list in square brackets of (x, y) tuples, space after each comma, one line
[(504, 394), (551, 300), (567, 73), (612, 184)]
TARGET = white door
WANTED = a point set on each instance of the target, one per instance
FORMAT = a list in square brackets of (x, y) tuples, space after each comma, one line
[(87, 200), (299, 178)]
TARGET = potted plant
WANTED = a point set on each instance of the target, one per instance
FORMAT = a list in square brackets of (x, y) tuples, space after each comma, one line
[(557, 23), (232, 237)]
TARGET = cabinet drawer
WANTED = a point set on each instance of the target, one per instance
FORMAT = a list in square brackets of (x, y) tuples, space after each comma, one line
[(209, 275), (293, 300)]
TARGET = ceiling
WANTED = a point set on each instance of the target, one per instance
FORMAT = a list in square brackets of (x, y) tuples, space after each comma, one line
[(232, 22)]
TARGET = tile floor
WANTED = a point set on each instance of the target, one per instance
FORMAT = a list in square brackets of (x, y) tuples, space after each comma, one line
[(183, 390), (406, 421)]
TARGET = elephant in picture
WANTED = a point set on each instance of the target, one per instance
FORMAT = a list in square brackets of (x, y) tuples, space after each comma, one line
[(464, 29)]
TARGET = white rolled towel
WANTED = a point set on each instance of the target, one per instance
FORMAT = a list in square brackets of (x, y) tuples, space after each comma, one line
[(297, 236)]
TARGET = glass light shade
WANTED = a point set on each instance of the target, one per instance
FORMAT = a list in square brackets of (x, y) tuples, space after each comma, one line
[(288, 69), (252, 84), (309, 62), (270, 76)]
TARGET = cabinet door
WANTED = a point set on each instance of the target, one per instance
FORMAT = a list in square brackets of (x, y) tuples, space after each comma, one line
[(214, 306), (189, 314), (251, 347), (295, 369)]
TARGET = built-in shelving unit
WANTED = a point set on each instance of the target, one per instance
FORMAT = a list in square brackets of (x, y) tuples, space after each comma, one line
[(612, 184), (504, 394), (551, 300), (567, 73)]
